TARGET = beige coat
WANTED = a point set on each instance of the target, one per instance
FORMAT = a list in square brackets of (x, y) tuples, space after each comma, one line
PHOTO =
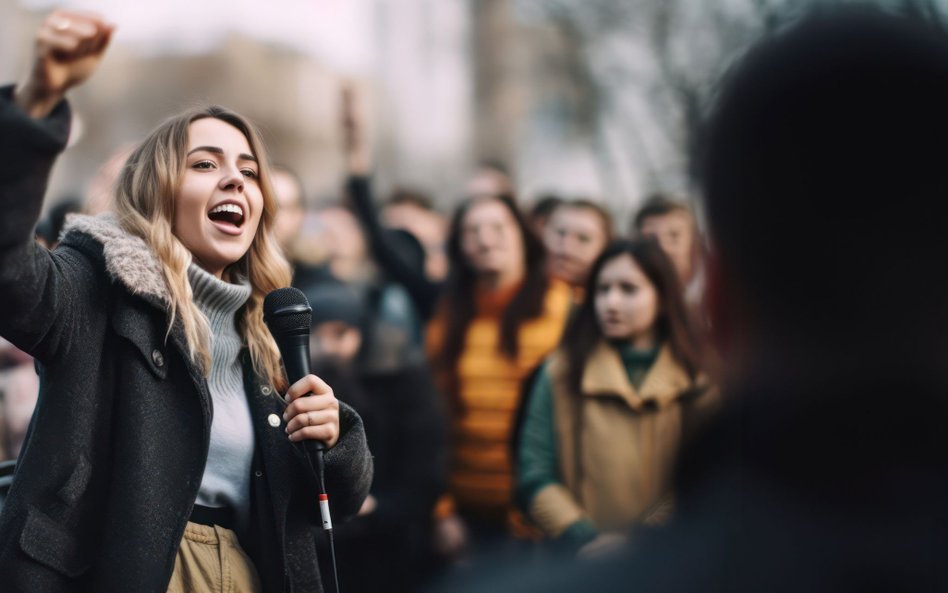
[(616, 446)]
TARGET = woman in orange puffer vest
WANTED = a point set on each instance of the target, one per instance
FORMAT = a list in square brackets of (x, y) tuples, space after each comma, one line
[(499, 316)]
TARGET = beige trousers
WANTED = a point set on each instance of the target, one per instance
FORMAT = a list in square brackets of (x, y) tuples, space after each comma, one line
[(210, 560)]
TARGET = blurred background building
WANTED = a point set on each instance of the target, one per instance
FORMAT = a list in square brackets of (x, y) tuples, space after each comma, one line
[(593, 98)]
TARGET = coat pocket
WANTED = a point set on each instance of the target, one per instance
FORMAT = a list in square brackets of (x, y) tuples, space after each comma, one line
[(51, 544), (137, 324)]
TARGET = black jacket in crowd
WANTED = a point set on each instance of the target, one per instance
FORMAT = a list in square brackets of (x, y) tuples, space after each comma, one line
[(389, 549), (119, 440), (389, 253)]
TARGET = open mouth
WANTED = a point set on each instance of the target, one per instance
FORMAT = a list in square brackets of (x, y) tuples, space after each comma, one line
[(229, 213)]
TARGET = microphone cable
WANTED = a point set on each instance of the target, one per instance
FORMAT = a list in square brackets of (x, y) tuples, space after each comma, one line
[(324, 513), (314, 451)]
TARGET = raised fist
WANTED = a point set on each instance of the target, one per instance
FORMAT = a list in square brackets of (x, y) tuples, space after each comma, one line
[(69, 47)]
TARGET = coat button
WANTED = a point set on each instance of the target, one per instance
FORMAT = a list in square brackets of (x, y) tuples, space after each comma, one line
[(265, 390), (158, 358), (274, 420), (258, 473)]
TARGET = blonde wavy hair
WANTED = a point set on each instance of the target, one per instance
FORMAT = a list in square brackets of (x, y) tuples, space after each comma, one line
[(145, 206)]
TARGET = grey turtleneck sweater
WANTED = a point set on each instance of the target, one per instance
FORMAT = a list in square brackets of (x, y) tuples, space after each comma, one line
[(226, 479)]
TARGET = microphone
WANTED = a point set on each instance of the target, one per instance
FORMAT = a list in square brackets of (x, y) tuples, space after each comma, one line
[(287, 314)]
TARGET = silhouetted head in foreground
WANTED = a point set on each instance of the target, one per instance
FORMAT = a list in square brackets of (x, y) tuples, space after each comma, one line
[(826, 193)]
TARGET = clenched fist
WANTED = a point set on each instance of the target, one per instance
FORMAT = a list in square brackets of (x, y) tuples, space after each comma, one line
[(69, 47)]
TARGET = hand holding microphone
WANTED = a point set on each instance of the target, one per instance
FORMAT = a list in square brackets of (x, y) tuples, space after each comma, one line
[(315, 417), (313, 410)]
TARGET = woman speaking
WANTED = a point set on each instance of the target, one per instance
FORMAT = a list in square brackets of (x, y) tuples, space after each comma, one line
[(161, 456)]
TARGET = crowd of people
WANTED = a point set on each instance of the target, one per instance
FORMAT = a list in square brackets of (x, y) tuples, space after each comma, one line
[(447, 364), (521, 393)]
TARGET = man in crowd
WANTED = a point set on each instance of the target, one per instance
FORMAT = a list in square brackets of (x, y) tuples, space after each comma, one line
[(575, 234)]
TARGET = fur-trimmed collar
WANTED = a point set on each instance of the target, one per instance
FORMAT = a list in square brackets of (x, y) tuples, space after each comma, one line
[(128, 259)]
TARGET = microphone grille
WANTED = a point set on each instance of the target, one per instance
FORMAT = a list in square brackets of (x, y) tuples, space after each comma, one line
[(286, 310)]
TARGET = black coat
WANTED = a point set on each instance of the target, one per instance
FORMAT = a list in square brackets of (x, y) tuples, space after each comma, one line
[(118, 443)]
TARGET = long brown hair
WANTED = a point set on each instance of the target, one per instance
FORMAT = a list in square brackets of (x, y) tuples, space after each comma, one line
[(144, 203), (458, 306), (583, 332)]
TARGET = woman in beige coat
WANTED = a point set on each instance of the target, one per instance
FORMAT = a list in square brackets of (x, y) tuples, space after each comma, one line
[(604, 420)]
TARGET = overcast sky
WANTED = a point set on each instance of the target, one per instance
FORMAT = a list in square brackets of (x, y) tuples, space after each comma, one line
[(339, 32)]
